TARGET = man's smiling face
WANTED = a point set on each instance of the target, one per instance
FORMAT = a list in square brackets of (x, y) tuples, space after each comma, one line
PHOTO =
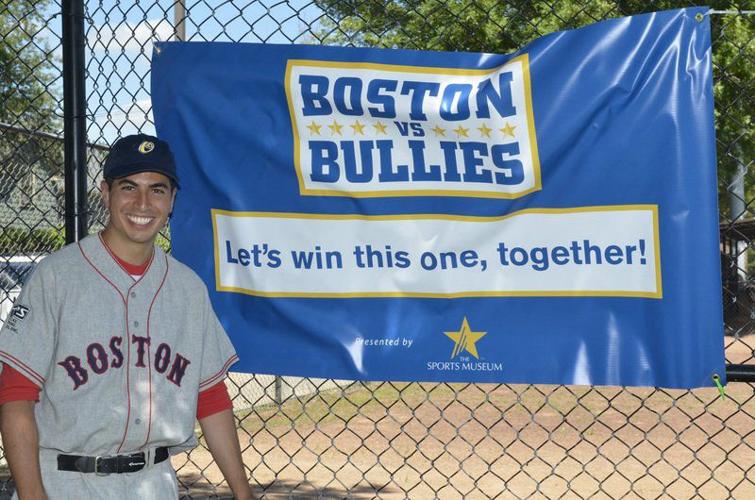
[(139, 206)]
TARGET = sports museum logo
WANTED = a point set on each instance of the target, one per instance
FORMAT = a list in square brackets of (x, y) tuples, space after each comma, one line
[(368, 129), (465, 345)]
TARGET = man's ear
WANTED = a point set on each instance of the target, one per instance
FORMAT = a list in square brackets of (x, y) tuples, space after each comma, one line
[(172, 203), (105, 192)]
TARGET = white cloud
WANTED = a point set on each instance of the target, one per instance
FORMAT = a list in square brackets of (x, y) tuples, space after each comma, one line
[(138, 117), (127, 37), (138, 112)]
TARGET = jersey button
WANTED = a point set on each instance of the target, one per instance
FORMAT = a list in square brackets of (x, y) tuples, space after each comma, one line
[(133, 294), (138, 420), (136, 324)]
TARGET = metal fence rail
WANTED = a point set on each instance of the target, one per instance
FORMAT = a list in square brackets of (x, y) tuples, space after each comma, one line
[(343, 439)]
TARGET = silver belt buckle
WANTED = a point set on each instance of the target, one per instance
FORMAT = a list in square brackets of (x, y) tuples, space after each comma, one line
[(142, 463), (97, 467)]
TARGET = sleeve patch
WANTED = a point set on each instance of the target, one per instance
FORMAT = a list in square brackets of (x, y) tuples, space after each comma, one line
[(19, 311), (15, 316)]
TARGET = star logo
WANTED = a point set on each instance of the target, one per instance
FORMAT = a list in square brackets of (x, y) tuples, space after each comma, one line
[(508, 130), (335, 127), (485, 130), (465, 340), (379, 128), (439, 132), (314, 128), (358, 128), (461, 131)]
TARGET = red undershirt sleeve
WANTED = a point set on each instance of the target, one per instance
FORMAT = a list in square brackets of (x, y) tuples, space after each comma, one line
[(16, 387), (213, 400)]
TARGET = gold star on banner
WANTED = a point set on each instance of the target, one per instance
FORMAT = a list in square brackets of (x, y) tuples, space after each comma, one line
[(461, 131), (465, 339), (335, 127), (508, 129), (314, 128), (439, 132), (358, 128), (484, 130), (379, 128)]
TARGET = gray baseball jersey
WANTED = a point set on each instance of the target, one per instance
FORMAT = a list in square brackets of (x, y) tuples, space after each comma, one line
[(120, 362)]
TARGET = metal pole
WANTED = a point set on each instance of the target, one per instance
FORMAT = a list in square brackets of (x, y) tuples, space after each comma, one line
[(737, 209), (74, 120), (278, 390), (179, 16), (740, 373), (737, 192)]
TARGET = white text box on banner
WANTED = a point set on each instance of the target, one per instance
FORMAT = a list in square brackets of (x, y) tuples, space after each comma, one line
[(582, 251)]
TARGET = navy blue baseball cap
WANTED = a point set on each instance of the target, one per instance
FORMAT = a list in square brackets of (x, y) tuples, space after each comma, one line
[(138, 153)]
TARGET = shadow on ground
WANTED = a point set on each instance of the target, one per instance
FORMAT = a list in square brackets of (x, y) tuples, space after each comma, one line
[(194, 486)]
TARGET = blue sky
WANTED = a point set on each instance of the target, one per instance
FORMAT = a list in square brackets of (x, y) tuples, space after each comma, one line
[(120, 38)]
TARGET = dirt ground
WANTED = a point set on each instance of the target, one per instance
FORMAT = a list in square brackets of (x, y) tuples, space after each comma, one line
[(390, 440), (398, 440)]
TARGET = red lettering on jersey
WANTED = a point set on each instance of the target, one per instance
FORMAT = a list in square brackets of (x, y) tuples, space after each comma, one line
[(162, 358), (79, 375), (178, 369), (115, 348), (140, 342), (97, 358)]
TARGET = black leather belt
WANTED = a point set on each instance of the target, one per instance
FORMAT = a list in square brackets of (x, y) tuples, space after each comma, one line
[(117, 464)]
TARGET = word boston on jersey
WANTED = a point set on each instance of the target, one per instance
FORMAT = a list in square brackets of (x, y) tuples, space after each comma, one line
[(547, 216)]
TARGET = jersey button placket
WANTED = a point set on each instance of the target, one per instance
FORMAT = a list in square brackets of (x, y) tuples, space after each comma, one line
[(139, 376)]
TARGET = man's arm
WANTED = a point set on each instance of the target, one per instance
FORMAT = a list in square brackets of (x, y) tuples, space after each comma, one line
[(219, 430), (21, 445)]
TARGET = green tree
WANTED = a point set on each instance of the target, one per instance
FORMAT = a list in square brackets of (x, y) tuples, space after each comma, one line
[(29, 110), (15, 241), (27, 73), (502, 27)]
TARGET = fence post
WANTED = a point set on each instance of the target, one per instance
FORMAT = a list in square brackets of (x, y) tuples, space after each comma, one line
[(278, 390), (179, 20), (74, 120)]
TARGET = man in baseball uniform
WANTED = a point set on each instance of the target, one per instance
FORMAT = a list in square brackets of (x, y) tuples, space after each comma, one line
[(111, 352)]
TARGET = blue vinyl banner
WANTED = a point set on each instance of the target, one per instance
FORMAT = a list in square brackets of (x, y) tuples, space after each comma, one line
[(547, 216)]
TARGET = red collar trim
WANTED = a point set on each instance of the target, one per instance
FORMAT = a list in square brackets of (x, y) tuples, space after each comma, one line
[(130, 269)]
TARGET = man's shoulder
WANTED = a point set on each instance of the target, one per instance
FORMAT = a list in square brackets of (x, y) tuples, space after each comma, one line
[(69, 255), (183, 274), (46, 269)]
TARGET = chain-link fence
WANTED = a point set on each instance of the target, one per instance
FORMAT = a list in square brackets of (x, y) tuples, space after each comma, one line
[(342, 439)]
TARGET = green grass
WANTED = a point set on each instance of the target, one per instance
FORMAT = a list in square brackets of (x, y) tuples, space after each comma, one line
[(374, 400), (339, 404)]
